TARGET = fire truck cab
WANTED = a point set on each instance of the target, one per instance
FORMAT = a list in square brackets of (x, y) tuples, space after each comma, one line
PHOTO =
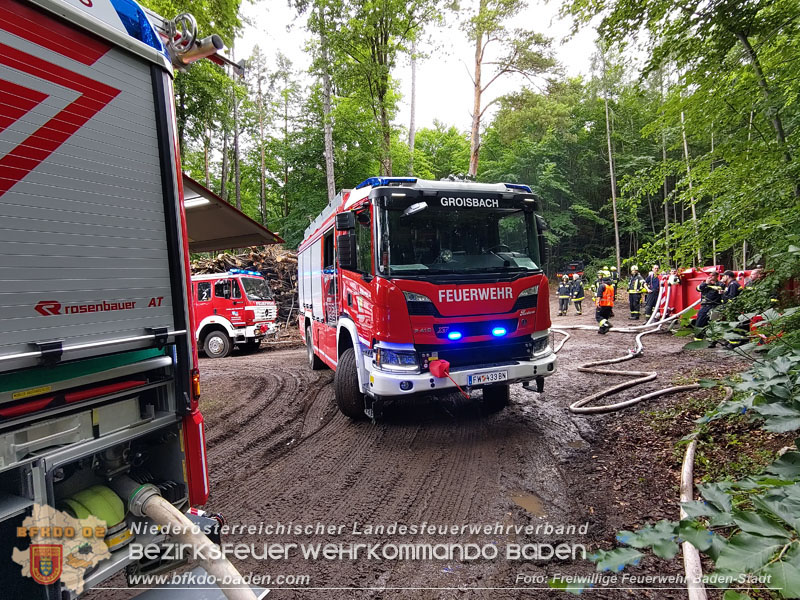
[(232, 308), (401, 274)]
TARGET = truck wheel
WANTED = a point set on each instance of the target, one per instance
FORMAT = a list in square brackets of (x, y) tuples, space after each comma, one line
[(497, 397), (314, 361), (345, 385), (217, 345)]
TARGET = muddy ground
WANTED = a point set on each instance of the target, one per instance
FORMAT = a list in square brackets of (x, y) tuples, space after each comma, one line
[(279, 452)]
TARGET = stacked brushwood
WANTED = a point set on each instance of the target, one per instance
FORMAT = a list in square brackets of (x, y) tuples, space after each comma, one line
[(276, 263)]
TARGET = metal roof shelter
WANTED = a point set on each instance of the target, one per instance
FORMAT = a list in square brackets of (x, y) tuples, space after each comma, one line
[(213, 224)]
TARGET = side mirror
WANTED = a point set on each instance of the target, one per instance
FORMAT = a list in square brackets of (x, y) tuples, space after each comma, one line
[(346, 249), (544, 251), (345, 221)]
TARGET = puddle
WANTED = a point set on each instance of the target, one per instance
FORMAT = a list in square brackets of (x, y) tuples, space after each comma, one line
[(530, 502)]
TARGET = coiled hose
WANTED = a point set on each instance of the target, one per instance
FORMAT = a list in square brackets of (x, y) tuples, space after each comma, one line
[(579, 407)]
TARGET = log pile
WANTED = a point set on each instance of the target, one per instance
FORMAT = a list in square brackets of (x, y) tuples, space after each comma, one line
[(276, 263)]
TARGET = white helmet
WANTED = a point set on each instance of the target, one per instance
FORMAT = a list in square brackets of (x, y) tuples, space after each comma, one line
[(634, 269)]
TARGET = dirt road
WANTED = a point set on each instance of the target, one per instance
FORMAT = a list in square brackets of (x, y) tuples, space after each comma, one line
[(279, 452)]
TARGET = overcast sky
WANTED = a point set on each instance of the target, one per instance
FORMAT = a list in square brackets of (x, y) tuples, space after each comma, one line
[(444, 86)]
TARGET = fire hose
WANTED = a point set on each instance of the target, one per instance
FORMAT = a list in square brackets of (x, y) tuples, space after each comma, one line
[(146, 501), (580, 407)]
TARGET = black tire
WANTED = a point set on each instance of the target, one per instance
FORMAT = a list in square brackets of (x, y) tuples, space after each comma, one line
[(349, 398), (314, 361), (497, 397), (217, 344), (251, 346)]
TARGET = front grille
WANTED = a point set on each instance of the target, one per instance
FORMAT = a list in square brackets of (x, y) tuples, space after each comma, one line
[(474, 328), (422, 309), (265, 313), (478, 353), (526, 302)]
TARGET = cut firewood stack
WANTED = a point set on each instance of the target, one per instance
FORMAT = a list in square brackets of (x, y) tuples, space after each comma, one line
[(276, 263)]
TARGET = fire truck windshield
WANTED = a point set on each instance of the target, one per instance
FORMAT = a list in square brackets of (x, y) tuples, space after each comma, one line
[(256, 289), (440, 240)]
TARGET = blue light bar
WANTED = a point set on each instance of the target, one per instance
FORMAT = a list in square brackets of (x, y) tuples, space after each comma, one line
[(499, 331), (454, 335), (243, 272), (518, 186), (376, 181), (136, 23)]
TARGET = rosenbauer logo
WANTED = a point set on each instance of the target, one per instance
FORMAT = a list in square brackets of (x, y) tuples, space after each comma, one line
[(53, 307)]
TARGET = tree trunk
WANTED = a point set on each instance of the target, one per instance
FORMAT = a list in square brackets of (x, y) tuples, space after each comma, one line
[(475, 139), (262, 174), (613, 178), (206, 152), (691, 194), (412, 129), (236, 173), (773, 112), (223, 188), (326, 109), (286, 150)]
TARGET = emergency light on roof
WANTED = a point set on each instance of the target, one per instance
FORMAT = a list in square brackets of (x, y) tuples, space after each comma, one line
[(243, 272), (376, 181), (127, 16), (518, 186)]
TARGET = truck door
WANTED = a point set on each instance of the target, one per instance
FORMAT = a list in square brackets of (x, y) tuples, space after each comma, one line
[(329, 292), (228, 301)]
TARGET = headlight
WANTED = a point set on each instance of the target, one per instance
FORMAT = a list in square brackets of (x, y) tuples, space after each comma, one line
[(414, 297), (396, 360), (541, 344), (531, 291)]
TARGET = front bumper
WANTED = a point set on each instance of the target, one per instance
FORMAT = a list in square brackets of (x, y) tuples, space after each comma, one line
[(383, 383)]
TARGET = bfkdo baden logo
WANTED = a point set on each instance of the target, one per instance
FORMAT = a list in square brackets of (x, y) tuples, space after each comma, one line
[(46, 562), (62, 547)]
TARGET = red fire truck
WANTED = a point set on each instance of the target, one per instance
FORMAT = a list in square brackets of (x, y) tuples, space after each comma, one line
[(232, 308), (99, 385), (410, 286)]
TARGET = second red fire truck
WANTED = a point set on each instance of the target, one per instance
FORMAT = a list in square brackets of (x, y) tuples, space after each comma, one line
[(411, 287), (233, 308)]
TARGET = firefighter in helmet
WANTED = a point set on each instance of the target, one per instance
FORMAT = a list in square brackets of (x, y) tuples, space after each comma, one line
[(605, 302), (711, 291), (577, 293), (636, 289), (614, 280), (563, 294)]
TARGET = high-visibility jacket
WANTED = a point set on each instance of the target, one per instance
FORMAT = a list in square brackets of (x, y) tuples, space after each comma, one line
[(563, 290), (636, 285), (606, 295)]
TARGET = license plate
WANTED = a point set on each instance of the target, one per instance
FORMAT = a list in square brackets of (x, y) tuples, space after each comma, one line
[(491, 377)]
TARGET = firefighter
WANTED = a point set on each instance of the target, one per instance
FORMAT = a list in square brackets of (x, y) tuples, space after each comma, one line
[(636, 287), (732, 287), (563, 294), (577, 293), (605, 303), (710, 297), (615, 281), (652, 284)]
